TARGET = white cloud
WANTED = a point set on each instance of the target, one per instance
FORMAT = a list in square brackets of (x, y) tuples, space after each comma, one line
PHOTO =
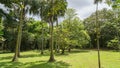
[(85, 8)]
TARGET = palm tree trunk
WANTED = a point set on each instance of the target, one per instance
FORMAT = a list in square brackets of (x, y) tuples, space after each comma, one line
[(57, 46), (18, 43), (63, 51), (42, 41), (98, 36), (22, 19), (15, 58), (51, 59), (69, 48)]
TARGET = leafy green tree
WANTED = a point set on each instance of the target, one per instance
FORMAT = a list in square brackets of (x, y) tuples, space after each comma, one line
[(114, 44), (70, 15), (74, 35)]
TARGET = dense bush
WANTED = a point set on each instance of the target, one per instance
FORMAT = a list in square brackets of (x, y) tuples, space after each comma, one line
[(114, 44)]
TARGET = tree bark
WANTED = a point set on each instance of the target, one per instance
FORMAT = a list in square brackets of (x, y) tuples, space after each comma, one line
[(69, 48), (2, 46), (63, 51), (98, 36), (42, 41), (15, 58), (18, 43), (51, 42), (22, 20), (51, 38)]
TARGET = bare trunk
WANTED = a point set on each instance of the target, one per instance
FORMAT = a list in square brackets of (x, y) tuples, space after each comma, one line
[(42, 41), (51, 38), (51, 59), (15, 58), (69, 48), (58, 49), (22, 20), (63, 51), (2, 46), (98, 36), (18, 43)]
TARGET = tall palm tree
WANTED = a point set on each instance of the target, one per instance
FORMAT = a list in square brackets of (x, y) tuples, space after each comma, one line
[(18, 43), (55, 14), (21, 4), (52, 10), (9, 3), (98, 31)]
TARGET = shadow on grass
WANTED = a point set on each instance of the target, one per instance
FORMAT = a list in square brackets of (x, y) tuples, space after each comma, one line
[(79, 51), (74, 51), (24, 56), (4, 58), (46, 54), (43, 64), (37, 64), (33, 55), (10, 64)]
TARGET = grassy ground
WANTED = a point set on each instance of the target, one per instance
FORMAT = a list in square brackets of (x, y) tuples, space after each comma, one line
[(75, 59)]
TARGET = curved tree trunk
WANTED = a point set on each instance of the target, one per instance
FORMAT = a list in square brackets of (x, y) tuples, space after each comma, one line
[(18, 43)]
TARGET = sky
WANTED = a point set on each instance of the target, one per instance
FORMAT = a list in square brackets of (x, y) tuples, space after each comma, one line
[(84, 8)]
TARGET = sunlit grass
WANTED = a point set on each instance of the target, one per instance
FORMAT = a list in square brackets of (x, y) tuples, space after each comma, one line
[(75, 59)]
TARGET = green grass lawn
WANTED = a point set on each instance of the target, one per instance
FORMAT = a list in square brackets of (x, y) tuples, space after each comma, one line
[(75, 59)]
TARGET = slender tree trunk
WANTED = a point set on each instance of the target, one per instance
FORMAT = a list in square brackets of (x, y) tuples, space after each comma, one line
[(22, 20), (69, 48), (57, 46), (42, 31), (2, 46), (15, 58), (63, 51), (58, 49), (18, 43), (42, 41), (98, 36), (51, 59)]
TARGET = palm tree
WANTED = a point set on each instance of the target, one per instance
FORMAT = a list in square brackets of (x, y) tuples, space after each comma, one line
[(60, 12), (50, 12), (9, 4), (98, 31), (18, 43)]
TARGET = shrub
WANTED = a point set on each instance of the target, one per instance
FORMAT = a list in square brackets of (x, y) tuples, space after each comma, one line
[(114, 44)]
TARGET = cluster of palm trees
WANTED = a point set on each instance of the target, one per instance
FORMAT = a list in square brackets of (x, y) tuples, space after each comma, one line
[(49, 11)]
